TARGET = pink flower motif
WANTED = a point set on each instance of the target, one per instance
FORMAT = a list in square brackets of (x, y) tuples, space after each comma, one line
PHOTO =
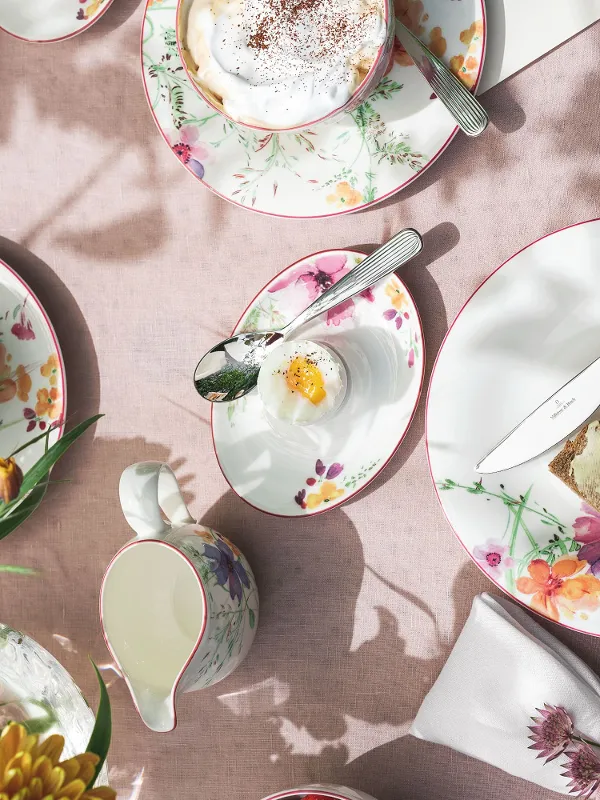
[(583, 768), (315, 278), (184, 144), (551, 733), (411, 357), (587, 533), (493, 557), (344, 311)]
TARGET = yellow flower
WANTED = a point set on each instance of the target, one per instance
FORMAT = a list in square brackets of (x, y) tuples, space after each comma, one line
[(48, 402), (50, 369), (30, 770), (397, 297), (11, 478), (475, 30), (345, 196), (23, 383), (92, 8), (328, 491)]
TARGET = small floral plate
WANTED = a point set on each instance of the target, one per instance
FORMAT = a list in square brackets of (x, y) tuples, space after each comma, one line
[(295, 471), (49, 20), (32, 374), (334, 167), (530, 327)]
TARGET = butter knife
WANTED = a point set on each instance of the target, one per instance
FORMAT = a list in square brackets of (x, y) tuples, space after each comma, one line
[(551, 422), (468, 113)]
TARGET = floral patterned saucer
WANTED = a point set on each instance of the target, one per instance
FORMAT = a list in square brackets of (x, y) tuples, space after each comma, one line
[(337, 166), (532, 325), (32, 374), (43, 21), (295, 471)]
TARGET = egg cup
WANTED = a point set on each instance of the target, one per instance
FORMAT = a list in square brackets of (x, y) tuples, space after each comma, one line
[(290, 470)]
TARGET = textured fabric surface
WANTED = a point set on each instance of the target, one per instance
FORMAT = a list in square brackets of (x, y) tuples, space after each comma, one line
[(503, 667), (142, 269)]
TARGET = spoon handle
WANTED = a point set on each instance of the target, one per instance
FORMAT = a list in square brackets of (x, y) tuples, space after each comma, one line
[(468, 113), (387, 258)]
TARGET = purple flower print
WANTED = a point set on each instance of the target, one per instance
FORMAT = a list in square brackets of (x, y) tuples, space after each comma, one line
[(587, 533), (494, 558), (320, 468), (184, 144), (333, 471), (300, 498), (227, 569)]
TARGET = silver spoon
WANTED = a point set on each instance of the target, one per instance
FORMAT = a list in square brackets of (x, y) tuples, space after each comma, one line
[(230, 370), (468, 112)]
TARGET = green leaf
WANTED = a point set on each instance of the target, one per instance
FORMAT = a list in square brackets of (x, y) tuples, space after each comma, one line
[(25, 509), (43, 466), (100, 739), (18, 570), (251, 617), (16, 310)]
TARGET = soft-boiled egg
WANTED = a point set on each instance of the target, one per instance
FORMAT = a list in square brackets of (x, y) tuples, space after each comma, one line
[(301, 382)]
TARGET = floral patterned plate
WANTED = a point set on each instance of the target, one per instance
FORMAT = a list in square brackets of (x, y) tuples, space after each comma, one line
[(532, 325), (32, 374), (336, 166), (297, 471), (49, 20)]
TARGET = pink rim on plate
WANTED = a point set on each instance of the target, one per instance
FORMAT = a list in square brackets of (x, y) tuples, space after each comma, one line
[(102, 11), (519, 524)]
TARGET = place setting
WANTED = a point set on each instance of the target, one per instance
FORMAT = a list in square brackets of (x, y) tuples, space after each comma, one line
[(344, 143)]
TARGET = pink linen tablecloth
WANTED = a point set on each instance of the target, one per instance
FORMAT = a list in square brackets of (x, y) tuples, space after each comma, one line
[(141, 269)]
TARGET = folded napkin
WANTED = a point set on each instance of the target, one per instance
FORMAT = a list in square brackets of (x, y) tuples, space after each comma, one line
[(504, 666)]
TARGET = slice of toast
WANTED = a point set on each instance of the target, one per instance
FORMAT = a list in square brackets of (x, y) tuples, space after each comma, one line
[(562, 467)]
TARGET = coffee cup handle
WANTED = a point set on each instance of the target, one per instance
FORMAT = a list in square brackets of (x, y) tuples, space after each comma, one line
[(151, 499)]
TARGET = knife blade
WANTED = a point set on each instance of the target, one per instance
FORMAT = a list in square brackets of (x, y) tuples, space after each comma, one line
[(551, 422)]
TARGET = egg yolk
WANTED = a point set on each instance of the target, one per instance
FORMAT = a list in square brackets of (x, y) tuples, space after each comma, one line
[(305, 377)]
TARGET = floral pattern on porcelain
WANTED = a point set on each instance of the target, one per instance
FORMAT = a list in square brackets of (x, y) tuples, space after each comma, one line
[(333, 167), (31, 379), (329, 485), (557, 578), (89, 9), (232, 599)]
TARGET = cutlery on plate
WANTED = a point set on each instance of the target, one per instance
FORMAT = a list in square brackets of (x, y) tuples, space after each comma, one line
[(551, 422), (230, 369), (467, 111)]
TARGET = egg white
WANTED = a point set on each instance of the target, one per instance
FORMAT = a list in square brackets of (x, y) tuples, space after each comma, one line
[(290, 406)]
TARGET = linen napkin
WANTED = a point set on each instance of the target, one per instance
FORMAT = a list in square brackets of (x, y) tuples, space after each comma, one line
[(504, 666)]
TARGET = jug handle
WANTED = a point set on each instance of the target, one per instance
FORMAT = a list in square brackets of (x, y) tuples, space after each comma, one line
[(149, 492)]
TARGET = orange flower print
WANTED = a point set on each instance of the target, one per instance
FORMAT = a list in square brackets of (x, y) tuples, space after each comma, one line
[(345, 196), (396, 295), (410, 13), (328, 491), (8, 387), (560, 589), (437, 43), (476, 30), (50, 369), (23, 383), (90, 10), (48, 403)]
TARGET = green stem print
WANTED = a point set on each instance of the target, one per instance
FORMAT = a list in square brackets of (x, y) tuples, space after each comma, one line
[(519, 511)]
